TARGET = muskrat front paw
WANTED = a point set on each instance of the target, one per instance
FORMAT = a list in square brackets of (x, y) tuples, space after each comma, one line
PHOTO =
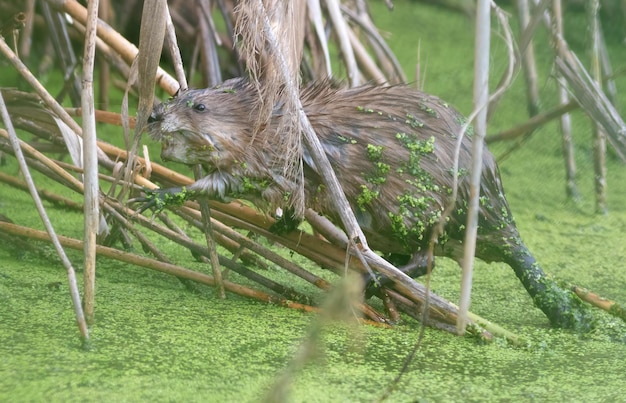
[(158, 199), (285, 222)]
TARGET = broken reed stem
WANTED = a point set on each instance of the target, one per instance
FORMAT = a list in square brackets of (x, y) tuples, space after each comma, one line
[(607, 305), (71, 274)]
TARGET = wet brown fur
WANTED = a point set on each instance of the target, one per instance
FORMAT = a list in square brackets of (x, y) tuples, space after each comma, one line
[(368, 133)]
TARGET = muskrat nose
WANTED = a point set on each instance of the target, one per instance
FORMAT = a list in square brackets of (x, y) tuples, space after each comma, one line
[(155, 116)]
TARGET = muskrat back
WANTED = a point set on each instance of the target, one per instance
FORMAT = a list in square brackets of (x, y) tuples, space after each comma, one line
[(392, 149)]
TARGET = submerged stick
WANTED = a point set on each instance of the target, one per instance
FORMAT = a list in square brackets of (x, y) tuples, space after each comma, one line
[(607, 305)]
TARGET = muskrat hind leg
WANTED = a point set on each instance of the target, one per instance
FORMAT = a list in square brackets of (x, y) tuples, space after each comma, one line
[(562, 307), (414, 266)]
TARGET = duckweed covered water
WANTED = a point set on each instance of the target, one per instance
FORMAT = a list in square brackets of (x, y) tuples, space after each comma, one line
[(156, 341)]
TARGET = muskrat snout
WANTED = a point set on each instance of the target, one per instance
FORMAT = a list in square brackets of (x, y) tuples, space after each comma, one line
[(156, 115)]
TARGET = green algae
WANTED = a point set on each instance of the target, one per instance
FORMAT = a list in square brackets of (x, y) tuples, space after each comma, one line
[(161, 199), (155, 341)]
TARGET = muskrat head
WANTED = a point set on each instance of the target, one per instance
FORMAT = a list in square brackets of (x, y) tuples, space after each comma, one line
[(207, 126)]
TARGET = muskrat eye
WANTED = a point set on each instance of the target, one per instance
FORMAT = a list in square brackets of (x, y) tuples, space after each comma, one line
[(199, 107)]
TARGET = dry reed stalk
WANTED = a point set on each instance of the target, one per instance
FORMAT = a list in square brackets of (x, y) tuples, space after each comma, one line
[(481, 99), (593, 100), (104, 75), (45, 194), (71, 274), (384, 55), (315, 15), (565, 121), (64, 51), (158, 266), (274, 67), (207, 230), (26, 36), (533, 123), (529, 66), (338, 306), (116, 41), (209, 43), (368, 66), (341, 32), (599, 137), (90, 164)]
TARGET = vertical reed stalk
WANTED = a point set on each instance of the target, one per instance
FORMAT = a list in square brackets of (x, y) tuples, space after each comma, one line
[(566, 123), (528, 61), (71, 273), (104, 66), (599, 136), (90, 162), (481, 99)]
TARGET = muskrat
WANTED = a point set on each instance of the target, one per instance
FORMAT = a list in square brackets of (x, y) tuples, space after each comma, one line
[(391, 148)]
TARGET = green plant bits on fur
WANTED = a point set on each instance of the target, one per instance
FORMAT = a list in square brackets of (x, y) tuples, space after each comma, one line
[(162, 200), (424, 106), (374, 153), (346, 139), (366, 197), (364, 109), (413, 121), (462, 121)]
